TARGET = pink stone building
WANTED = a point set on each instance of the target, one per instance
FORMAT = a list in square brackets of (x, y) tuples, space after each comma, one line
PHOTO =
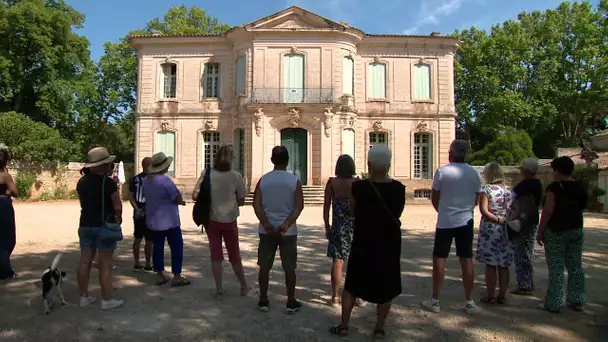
[(321, 88)]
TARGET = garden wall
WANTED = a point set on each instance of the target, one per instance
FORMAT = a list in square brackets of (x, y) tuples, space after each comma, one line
[(61, 183)]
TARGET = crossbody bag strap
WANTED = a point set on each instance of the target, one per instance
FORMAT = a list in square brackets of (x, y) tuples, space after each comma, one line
[(390, 214)]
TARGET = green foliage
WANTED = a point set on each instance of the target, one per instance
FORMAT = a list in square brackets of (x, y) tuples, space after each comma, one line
[(60, 193), (73, 194), (33, 142), (545, 73), (44, 196), (599, 192), (585, 176), (24, 182), (508, 149)]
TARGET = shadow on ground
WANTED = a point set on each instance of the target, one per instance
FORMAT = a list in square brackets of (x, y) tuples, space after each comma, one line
[(190, 313)]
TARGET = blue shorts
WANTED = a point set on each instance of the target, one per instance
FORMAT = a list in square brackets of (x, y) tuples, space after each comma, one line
[(89, 238)]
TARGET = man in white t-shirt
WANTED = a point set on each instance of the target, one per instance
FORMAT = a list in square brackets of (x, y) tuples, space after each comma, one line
[(455, 194)]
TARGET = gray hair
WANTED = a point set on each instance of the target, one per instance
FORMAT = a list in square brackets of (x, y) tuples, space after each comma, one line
[(460, 148), (493, 173), (379, 157)]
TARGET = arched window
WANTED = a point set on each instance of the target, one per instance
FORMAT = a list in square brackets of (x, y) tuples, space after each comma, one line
[(348, 142), (422, 81), (168, 85), (211, 143), (348, 76), (377, 81), (423, 156), (376, 138)]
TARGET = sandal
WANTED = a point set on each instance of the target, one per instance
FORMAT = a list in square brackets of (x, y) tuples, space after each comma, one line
[(522, 292), (339, 330), (163, 281), (576, 306), (181, 281), (218, 295), (334, 302), (502, 300), (379, 334), (488, 300)]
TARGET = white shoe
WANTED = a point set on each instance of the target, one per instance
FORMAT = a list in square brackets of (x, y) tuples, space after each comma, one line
[(86, 301), (470, 307), (432, 306), (111, 304)]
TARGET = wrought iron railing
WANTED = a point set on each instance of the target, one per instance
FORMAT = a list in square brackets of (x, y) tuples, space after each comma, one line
[(293, 95)]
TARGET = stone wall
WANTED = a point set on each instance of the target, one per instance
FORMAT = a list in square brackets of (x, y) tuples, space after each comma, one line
[(65, 178)]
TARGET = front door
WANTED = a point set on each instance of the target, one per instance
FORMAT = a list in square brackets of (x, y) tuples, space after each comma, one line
[(293, 83), (296, 141)]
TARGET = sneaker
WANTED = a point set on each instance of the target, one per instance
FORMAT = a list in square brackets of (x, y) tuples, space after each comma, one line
[(111, 304), (86, 301), (470, 307), (432, 305), (149, 269), (138, 268), (293, 307), (263, 305)]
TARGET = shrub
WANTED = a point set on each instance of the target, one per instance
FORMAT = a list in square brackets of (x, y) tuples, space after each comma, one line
[(73, 194), (508, 149), (61, 193), (24, 182), (44, 196)]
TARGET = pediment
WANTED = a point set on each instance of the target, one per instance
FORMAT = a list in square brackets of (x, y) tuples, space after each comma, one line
[(294, 18)]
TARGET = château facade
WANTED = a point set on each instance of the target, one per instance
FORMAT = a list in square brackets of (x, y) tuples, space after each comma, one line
[(319, 87)]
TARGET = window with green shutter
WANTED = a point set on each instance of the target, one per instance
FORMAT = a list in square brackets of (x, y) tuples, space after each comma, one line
[(422, 81), (166, 145), (241, 75), (377, 72)]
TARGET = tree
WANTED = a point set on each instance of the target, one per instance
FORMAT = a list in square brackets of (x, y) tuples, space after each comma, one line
[(33, 142), (44, 66), (509, 148), (545, 73)]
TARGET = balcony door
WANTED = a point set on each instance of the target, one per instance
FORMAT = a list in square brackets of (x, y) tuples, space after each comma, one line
[(296, 141), (293, 82)]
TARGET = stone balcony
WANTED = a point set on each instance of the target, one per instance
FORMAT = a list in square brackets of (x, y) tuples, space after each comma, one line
[(293, 96)]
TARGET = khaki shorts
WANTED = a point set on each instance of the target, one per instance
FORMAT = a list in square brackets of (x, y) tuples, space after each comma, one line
[(288, 249)]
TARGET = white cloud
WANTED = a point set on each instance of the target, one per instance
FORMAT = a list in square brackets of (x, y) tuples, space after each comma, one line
[(430, 14)]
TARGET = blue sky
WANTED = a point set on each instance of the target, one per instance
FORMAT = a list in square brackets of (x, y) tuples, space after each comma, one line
[(108, 20)]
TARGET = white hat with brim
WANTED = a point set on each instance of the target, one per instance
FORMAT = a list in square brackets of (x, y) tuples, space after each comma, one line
[(160, 163), (99, 156)]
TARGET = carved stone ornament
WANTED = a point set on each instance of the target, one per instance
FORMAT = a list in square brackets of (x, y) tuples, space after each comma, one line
[(422, 126), (294, 49), (377, 125), (350, 122), (258, 117), (209, 125), (376, 59), (294, 117), (328, 114), (164, 126)]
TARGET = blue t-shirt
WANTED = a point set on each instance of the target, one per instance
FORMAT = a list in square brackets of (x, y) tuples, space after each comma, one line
[(162, 212), (137, 190)]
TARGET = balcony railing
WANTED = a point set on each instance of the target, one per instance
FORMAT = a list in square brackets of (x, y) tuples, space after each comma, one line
[(293, 95)]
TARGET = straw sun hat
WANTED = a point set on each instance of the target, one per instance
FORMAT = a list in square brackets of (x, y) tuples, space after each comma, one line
[(98, 156), (160, 163)]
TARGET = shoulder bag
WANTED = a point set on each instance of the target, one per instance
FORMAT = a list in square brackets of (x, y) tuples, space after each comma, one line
[(388, 211), (109, 231), (202, 206)]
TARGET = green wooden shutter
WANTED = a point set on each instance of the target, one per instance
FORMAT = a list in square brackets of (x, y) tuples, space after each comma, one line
[(347, 75), (241, 75), (422, 87), (378, 81), (166, 144)]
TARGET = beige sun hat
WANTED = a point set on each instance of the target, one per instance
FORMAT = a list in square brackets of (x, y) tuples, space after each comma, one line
[(98, 156), (160, 163)]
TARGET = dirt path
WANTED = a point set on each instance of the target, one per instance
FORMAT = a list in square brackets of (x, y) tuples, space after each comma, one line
[(191, 314)]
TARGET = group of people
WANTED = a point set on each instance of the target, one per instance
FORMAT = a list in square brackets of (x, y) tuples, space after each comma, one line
[(364, 231)]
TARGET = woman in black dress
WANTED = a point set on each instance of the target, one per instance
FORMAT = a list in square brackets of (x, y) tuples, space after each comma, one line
[(374, 268)]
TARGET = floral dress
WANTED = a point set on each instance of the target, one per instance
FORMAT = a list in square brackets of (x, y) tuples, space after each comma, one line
[(341, 233), (493, 246)]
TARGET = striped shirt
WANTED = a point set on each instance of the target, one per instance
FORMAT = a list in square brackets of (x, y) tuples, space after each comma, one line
[(137, 189)]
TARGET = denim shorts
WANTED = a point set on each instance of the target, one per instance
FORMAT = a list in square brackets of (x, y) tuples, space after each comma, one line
[(89, 238)]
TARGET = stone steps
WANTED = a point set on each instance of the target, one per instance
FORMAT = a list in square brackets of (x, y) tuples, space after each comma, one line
[(313, 195)]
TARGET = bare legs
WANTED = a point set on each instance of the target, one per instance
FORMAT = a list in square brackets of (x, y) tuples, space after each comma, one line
[(147, 251), (239, 272), (498, 275), (336, 278), (468, 276), (84, 271), (348, 303), (105, 273)]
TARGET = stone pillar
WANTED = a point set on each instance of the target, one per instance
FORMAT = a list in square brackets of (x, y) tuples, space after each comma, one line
[(257, 146)]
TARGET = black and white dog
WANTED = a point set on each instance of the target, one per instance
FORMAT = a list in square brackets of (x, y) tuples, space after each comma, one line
[(51, 282)]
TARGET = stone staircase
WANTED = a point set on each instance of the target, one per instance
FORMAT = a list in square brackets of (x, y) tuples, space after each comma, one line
[(313, 195)]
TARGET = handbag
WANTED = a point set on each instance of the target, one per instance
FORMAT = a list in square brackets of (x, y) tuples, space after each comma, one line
[(202, 206), (388, 211), (110, 231)]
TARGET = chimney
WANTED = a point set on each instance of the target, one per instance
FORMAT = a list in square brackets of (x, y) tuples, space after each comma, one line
[(435, 34)]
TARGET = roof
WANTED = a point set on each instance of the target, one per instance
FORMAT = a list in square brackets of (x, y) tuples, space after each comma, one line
[(293, 10), (574, 153)]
